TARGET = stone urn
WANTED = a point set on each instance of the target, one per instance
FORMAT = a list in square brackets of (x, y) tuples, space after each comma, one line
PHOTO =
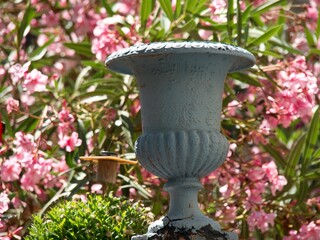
[(181, 86)]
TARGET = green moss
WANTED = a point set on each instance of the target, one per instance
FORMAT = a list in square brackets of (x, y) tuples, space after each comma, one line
[(100, 217)]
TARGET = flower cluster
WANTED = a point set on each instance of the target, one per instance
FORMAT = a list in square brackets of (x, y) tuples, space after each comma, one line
[(109, 37), (308, 231), (68, 138), (297, 94)]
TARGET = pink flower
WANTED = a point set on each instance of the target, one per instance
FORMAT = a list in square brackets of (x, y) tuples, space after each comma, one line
[(255, 194), (10, 170), (277, 184), (218, 10), (35, 81), (135, 107), (227, 214), (12, 105), (4, 202), (232, 107), (107, 38), (24, 142), (50, 19), (312, 17), (27, 99), (261, 220), (65, 116), (17, 203), (17, 71), (126, 7), (70, 142), (270, 169), (256, 174), (35, 172), (297, 95), (309, 231)]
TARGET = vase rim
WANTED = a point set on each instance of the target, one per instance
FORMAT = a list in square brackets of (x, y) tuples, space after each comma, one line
[(245, 59)]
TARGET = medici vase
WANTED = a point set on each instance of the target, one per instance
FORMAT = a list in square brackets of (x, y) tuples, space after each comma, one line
[(181, 86)]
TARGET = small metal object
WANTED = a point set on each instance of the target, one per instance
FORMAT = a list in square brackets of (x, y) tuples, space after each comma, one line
[(107, 165)]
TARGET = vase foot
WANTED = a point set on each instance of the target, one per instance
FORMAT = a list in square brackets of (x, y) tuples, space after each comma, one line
[(166, 231)]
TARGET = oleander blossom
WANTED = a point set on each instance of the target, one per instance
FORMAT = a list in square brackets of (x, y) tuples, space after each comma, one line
[(35, 81), (218, 9), (68, 138), (261, 220), (24, 142), (4, 202), (18, 71), (308, 231), (12, 105), (107, 38), (10, 170), (297, 96), (70, 142)]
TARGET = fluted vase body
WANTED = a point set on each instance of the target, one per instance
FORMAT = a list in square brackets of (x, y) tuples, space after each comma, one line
[(181, 86)]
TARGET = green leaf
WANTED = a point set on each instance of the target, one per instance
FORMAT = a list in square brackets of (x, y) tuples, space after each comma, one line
[(82, 135), (312, 139), (71, 159), (178, 9), (166, 7), (190, 5), (201, 5), (302, 192), (246, 14), (317, 32), (267, 6), (239, 23), (80, 79), (230, 15), (146, 8), (188, 27), (276, 156), (294, 157), (94, 64), (242, 77), (268, 53), (24, 26), (310, 37), (83, 48), (265, 37), (107, 7), (40, 51)]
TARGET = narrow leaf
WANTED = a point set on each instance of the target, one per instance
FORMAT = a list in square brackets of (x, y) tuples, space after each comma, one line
[(276, 156), (40, 51), (265, 37), (294, 157), (178, 9), (302, 193), (230, 15), (25, 24), (107, 7), (318, 26), (312, 138), (80, 48), (239, 23), (82, 135), (188, 27), (190, 5), (309, 36), (146, 8), (166, 7), (246, 79), (247, 13), (266, 6)]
